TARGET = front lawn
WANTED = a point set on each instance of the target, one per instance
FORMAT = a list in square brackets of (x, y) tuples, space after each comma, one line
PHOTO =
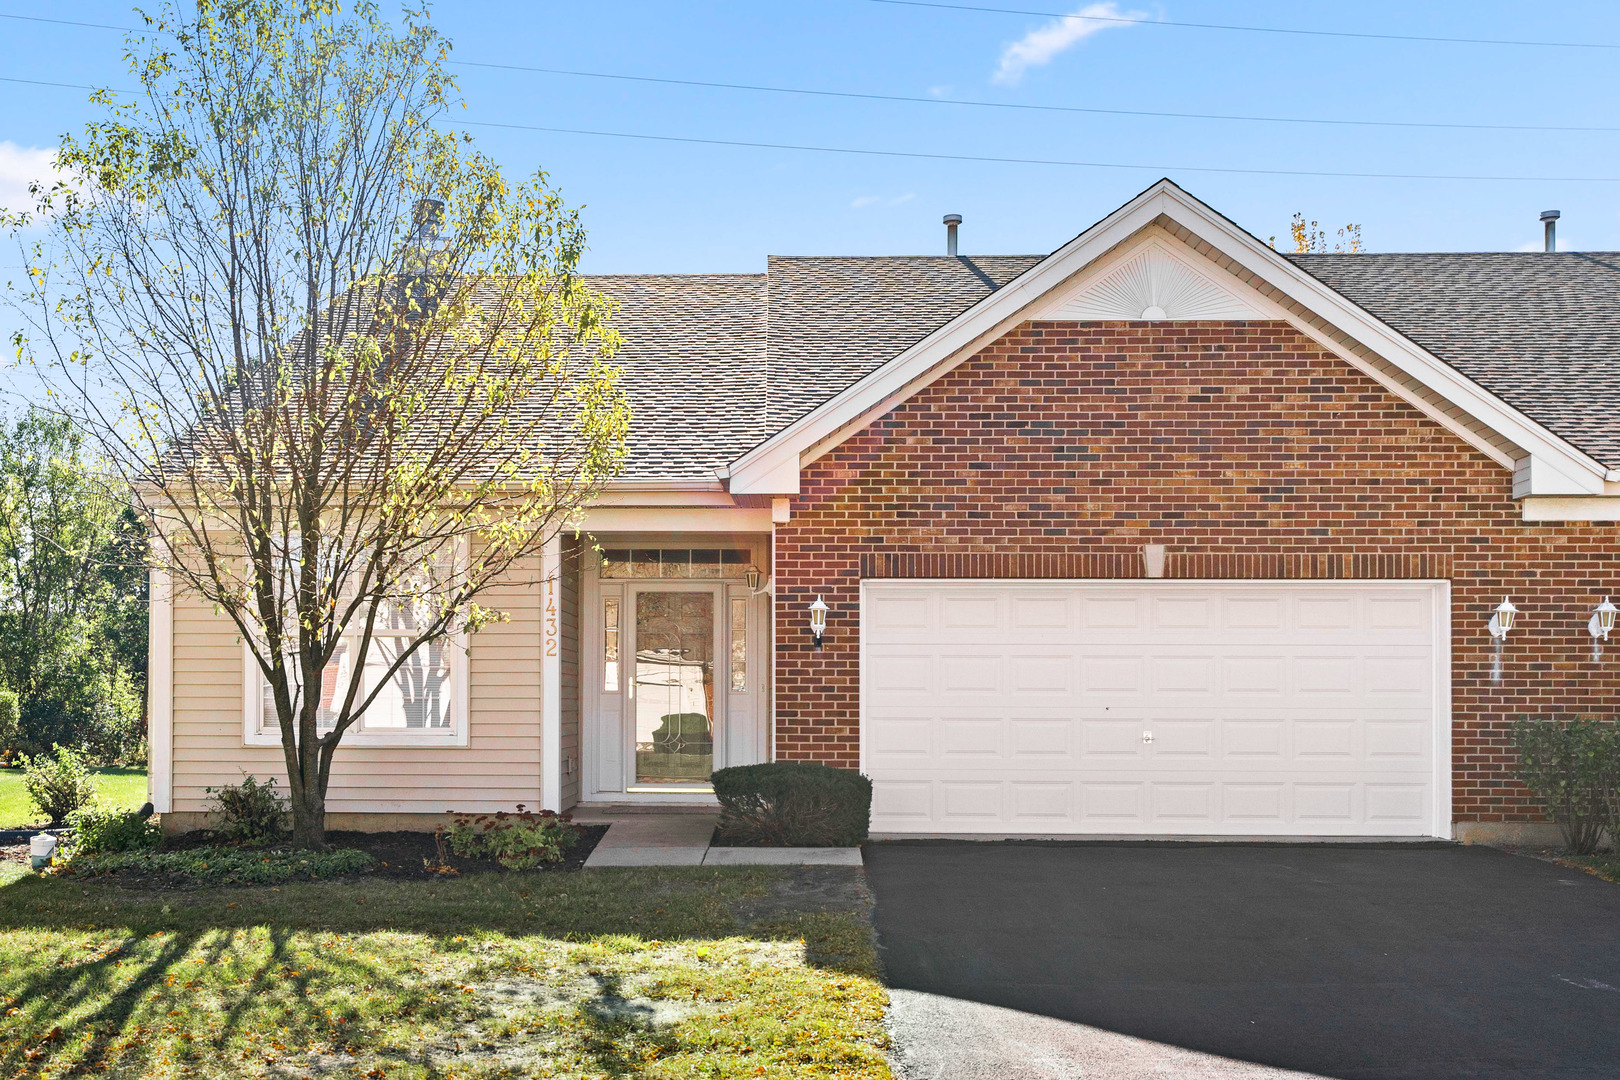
[(638, 972), (120, 788)]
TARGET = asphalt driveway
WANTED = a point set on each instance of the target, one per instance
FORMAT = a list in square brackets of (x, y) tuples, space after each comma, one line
[(1377, 961)]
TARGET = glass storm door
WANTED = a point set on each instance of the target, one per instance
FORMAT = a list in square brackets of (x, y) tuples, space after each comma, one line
[(673, 701)]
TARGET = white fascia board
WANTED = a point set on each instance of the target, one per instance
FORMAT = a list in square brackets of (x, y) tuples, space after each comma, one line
[(676, 519), (1570, 508), (663, 493), (1562, 469)]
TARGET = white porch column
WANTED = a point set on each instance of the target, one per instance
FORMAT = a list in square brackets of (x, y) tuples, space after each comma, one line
[(160, 691), (551, 763)]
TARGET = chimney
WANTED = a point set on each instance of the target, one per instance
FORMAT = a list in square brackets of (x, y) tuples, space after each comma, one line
[(1549, 219), (951, 222)]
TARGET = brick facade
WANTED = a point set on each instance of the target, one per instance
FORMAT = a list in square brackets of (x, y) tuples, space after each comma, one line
[(1243, 447)]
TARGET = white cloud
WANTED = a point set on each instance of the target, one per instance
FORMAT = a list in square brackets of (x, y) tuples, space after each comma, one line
[(19, 166), (1040, 45), (863, 201), (939, 91)]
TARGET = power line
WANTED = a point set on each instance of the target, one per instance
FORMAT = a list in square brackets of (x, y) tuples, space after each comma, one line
[(1363, 35), (987, 159), (859, 96), (976, 158), (977, 103), (973, 102), (70, 22), (1111, 19)]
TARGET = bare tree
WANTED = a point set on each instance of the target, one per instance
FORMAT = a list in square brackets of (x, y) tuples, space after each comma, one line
[(349, 370)]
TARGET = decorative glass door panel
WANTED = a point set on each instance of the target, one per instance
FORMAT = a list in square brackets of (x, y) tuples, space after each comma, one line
[(673, 692)]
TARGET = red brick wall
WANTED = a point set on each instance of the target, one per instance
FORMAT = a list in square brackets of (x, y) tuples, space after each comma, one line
[(1246, 449)]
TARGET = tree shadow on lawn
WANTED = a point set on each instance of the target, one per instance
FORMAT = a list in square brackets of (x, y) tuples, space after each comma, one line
[(263, 975)]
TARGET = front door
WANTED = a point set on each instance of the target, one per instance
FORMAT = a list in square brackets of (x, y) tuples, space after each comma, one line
[(676, 716)]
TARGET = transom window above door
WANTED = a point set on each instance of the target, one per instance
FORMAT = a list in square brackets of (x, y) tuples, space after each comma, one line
[(675, 562)]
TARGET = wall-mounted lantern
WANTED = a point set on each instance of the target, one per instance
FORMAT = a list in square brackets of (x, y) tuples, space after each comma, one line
[(1502, 619), (1600, 625), (818, 620), (1501, 622), (756, 579)]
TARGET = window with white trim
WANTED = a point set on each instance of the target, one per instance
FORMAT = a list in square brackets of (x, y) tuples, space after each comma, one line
[(423, 702)]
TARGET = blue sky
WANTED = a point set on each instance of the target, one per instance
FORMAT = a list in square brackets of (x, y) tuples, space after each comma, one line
[(675, 207)]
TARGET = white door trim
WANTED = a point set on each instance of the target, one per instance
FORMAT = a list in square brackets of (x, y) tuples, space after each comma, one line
[(1441, 781)]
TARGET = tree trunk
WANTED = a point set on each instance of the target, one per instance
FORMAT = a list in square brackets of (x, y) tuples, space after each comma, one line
[(309, 816)]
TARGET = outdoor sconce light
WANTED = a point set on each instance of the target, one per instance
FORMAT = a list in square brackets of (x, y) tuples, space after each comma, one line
[(1599, 625), (756, 580), (1502, 621), (818, 620)]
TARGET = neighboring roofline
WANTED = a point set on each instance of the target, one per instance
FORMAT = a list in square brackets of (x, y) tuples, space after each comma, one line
[(1550, 464)]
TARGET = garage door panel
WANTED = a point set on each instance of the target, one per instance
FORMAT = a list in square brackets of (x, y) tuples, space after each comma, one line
[(1295, 713)]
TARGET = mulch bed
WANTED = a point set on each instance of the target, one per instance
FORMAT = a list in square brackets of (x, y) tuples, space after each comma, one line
[(401, 856), (406, 855)]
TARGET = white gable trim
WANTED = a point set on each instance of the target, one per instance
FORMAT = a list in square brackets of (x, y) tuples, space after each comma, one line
[(1545, 464)]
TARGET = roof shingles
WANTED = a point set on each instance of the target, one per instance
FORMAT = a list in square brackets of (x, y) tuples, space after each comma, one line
[(716, 363)]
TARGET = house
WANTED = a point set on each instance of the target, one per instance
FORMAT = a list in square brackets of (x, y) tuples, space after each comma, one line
[(1164, 533)]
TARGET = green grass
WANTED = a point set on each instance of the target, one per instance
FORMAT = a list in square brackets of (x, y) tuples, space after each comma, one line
[(121, 788), (643, 973)]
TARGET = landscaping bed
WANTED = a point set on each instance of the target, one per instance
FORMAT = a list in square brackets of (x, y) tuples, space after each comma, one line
[(202, 859)]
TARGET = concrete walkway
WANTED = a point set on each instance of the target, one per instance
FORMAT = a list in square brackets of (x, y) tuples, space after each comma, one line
[(662, 837)]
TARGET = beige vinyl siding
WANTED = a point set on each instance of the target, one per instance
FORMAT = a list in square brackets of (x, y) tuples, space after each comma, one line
[(497, 769), (569, 667)]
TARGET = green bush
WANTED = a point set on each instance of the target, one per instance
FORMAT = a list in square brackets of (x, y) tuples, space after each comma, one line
[(1574, 768), (520, 841), (793, 804), (59, 784), (251, 813), (229, 865), (98, 830)]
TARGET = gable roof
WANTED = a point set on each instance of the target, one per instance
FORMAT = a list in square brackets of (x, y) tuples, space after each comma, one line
[(724, 371), (1226, 258)]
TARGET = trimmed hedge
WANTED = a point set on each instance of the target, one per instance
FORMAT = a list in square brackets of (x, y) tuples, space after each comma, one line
[(793, 804)]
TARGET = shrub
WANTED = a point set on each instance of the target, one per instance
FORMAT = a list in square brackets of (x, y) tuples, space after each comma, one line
[(229, 865), (1574, 768), (793, 804), (252, 813), (98, 830), (520, 841), (59, 784)]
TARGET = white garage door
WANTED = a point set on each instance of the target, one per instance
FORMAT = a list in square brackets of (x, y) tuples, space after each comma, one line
[(1157, 708)]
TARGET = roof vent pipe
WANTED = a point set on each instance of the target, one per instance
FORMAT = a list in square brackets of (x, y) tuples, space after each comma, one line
[(951, 222), (1549, 220)]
